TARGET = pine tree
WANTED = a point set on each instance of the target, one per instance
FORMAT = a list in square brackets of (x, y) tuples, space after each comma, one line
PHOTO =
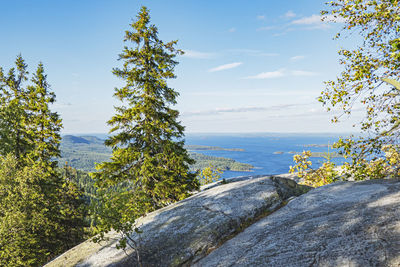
[(149, 167), (74, 210), (44, 125), (26, 228), (41, 212), (68, 206), (13, 113)]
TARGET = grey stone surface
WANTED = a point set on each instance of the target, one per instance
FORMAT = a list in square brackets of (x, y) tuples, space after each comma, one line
[(342, 224), (184, 232)]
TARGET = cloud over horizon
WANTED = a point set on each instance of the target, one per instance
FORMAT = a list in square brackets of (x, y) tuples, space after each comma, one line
[(281, 73), (303, 73), (218, 111), (268, 75), (226, 66), (252, 52), (197, 54), (318, 21), (266, 28), (290, 14), (298, 57)]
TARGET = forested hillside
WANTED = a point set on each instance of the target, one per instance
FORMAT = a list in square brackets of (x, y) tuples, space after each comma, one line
[(82, 152)]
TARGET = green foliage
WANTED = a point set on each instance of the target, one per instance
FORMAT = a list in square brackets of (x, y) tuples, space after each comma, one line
[(325, 174), (206, 148), (38, 220), (74, 202), (41, 212), (376, 168), (387, 166), (44, 125), (83, 152), (82, 180), (209, 175), (376, 59), (28, 129), (23, 213), (204, 161), (14, 111), (149, 162)]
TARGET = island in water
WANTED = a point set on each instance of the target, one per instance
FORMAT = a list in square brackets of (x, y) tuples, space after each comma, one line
[(317, 145), (83, 152), (313, 154), (203, 148)]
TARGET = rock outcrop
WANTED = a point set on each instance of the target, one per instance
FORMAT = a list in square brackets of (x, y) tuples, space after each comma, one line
[(185, 232), (260, 222), (342, 224)]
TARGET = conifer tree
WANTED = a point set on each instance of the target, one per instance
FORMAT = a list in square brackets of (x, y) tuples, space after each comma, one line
[(41, 212), (149, 167), (44, 125), (69, 209), (13, 112)]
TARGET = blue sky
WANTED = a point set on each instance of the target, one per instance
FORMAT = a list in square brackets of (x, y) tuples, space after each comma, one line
[(250, 66)]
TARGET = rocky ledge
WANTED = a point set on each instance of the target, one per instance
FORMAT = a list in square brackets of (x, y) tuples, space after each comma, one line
[(342, 224), (264, 221), (185, 232)]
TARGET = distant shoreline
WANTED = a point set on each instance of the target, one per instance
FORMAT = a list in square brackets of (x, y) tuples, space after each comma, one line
[(313, 154), (207, 148)]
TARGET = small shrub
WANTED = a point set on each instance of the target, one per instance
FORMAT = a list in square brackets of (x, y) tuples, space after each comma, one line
[(209, 175), (326, 174)]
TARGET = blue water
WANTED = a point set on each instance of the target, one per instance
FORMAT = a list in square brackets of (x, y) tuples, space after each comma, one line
[(259, 150)]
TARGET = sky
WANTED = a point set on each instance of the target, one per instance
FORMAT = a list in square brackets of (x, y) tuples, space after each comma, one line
[(249, 66)]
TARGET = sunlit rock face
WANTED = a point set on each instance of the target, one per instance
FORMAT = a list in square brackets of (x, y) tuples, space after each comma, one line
[(342, 224), (185, 232), (263, 221)]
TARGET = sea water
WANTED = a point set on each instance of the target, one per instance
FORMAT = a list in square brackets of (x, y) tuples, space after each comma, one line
[(259, 150)]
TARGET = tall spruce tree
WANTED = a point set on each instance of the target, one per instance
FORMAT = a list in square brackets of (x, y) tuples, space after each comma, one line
[(40, 211), (44, 125), (13, 110), (69, 209), (149, 167)]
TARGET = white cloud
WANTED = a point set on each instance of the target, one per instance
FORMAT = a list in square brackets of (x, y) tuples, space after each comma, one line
[(226, 66), (268, 54), (218, 111), (232, 30), (318, 21), (295, 58), (238, 109), (261, 17), (290, 14), (313, 19), (282, 73), (332, 18), (197, 54), (266, 28), (252, 52), (303, 73), (268, 75), (279, 34), (270, 92), (222, 110)]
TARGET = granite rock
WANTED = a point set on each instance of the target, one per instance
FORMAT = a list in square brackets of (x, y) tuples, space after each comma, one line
[(341, 224), (185, 232)]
